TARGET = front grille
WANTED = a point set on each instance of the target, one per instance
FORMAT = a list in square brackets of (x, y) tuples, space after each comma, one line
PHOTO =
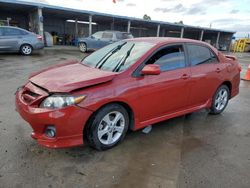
[(29, 96), (32, 94)]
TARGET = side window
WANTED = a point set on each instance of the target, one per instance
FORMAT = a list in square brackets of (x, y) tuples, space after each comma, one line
[(1, 31), (12, 32), (199, 54), (169, 58), (119, 36), (107, 35), (97, 35)]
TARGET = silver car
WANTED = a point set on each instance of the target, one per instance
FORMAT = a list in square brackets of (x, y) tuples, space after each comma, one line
[(101, 39), (14, 39)]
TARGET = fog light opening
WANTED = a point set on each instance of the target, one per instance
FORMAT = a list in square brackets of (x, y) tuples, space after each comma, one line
[(50, 132)]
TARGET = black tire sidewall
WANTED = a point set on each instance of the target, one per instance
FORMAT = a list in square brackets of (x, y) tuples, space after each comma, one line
[(213, 108), (92, 128)]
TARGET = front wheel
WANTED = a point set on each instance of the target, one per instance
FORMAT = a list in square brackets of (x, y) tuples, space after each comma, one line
[(107, 127), (26, 49), (83, 47), (220, 100)]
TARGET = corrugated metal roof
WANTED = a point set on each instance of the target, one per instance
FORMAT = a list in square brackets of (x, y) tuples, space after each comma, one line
[(44, 5)]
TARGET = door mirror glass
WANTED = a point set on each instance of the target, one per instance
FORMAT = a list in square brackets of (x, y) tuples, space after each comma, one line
[(151, 69)]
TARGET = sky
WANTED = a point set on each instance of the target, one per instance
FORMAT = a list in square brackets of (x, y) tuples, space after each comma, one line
[(233, 15)]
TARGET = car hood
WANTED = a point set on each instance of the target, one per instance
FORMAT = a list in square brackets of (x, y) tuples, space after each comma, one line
[(70, 77)]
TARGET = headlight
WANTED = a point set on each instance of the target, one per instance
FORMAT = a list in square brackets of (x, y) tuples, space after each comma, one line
[(59, 101)]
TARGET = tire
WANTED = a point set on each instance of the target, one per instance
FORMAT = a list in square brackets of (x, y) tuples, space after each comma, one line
[(107, 127), (220, 100), (26, 49), (83, 47)]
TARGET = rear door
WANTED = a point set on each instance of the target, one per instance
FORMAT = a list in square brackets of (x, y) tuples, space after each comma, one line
[(167, 92), (205, 73)]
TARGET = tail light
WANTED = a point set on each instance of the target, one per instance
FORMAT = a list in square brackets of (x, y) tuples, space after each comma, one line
[(39, 37)]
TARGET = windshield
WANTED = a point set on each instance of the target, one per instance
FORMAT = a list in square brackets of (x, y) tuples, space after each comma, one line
[(118, 56)]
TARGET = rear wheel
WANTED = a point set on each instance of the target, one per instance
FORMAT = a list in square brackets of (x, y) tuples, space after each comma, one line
[(107, 127), (26, 49), (220, 100), (83, 47)]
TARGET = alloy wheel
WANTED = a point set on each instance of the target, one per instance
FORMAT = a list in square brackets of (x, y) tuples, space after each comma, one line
[(221, 99), (82, 47), (111, 127), (26, 49)]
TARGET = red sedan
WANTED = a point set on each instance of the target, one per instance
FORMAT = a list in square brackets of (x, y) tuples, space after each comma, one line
[(130, 84)]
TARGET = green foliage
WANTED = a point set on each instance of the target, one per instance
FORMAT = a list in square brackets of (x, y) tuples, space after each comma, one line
[(146, 17)]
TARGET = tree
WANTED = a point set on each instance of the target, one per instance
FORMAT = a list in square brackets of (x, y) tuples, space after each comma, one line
[(146, 17), (180, 22)]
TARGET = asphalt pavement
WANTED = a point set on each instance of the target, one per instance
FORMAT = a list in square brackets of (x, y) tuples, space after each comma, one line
[(197, 150)]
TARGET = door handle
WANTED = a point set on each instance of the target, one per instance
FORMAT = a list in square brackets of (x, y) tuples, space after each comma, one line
[(218, 70), (184, 76)]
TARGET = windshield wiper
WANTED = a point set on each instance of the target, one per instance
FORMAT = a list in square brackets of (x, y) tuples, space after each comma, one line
[(107, 56), (122, 61)]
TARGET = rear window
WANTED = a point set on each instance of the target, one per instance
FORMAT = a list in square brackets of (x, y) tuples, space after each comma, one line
[(199, 54)]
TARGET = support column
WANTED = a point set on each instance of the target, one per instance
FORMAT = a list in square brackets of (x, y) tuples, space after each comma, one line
[(201, 36), (40, 21), (217, 40), (158, 30), (140, 31), (129, 24), (112, 25), (90, 25), (8, 21), (163, 32), (182, 32), (76, 28), (36, 21)]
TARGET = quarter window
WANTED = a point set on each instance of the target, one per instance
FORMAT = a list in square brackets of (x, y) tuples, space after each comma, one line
[(199, 54), (169, 58)]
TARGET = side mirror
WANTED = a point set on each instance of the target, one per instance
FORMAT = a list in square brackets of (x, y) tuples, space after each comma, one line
[(92, 37), (151, 69)]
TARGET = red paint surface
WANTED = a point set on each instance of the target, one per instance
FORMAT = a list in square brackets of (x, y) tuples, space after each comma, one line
[(152, 98)]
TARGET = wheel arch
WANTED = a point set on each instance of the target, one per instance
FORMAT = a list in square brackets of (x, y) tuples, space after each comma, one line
[(123, 104), (25, 43), (229, 85)]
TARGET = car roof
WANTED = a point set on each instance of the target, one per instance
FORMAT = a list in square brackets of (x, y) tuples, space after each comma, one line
[(14, 28), (115, 31), (168, 40), (159, 40)]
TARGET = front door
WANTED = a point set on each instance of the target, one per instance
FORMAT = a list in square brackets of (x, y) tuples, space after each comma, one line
[(167, 92)]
